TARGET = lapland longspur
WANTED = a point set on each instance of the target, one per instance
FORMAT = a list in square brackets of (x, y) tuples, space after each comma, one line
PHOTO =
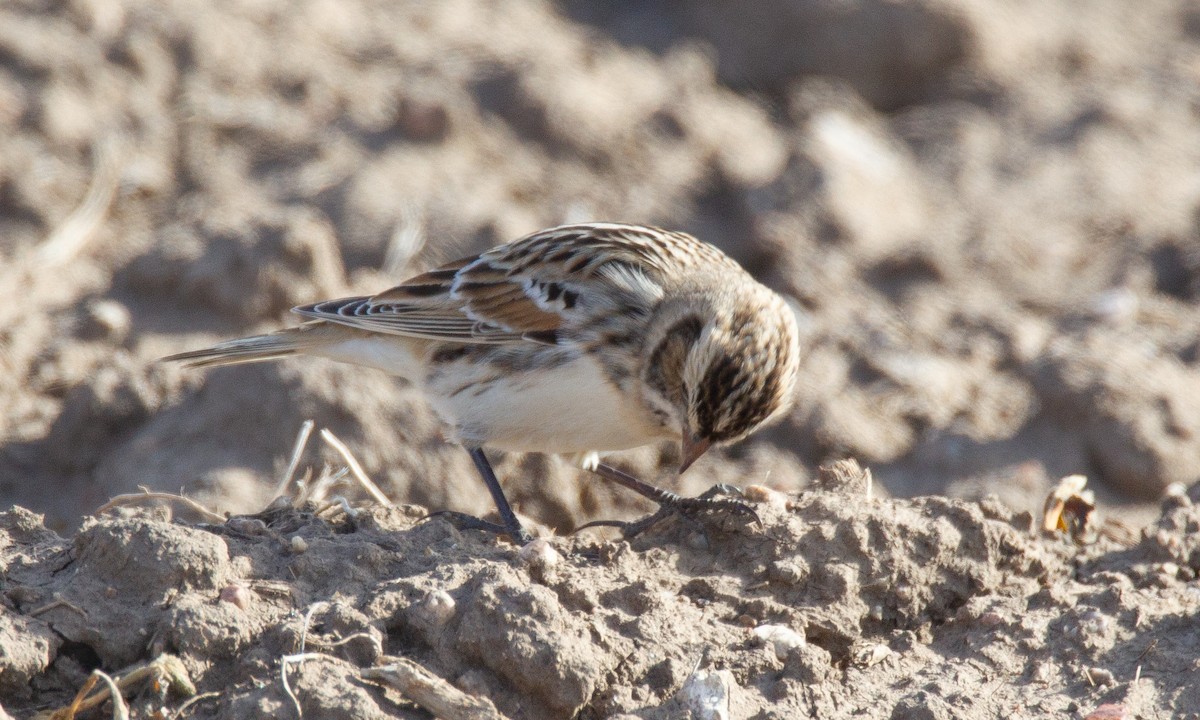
[(576, 341)]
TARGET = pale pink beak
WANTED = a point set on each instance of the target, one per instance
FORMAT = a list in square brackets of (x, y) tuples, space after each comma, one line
[(693, 448)]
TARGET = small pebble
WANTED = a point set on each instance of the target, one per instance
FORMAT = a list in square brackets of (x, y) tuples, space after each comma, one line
[(105, 320), (237, 595), (1109, 711), (1043, 673), (438, 607), (1101, 677), (298, 544), (540, 554), (247, 525), (764, 494), (705, 694), (787, 571), (991, 619), (423, 119), (1114, 305), (1093, 622), (1177, 490), (870, 654), (781, 638)]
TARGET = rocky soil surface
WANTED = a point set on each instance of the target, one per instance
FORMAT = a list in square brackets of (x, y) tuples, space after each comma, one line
[(837, 605)]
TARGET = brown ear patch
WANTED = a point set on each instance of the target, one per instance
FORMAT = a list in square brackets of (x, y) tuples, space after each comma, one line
[(665, 368)]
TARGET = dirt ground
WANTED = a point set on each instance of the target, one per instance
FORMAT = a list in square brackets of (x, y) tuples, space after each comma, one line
[(987, 216)]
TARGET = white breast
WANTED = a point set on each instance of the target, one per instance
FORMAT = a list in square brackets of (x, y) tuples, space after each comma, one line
[(567, 409)]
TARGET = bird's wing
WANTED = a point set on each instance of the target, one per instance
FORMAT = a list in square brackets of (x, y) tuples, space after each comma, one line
[(538, 288)]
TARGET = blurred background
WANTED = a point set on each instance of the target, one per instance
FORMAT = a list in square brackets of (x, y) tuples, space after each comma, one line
[(985, 212)]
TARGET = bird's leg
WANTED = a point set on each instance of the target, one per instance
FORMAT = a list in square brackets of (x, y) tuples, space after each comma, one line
[(670, 503), (510, 526)]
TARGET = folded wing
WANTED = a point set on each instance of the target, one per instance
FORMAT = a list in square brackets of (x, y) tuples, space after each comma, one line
[(537, 289)]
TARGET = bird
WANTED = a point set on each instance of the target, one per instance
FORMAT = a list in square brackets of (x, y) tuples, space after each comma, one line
[(576, 341)]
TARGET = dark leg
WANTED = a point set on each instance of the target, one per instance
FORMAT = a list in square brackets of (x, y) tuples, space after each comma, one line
[(671, 503), (510, 526)]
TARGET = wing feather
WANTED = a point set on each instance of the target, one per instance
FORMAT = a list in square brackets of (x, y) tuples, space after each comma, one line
[(537, 289)]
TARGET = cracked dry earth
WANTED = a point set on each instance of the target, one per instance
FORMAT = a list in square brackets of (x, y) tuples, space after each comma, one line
[(837, 605)]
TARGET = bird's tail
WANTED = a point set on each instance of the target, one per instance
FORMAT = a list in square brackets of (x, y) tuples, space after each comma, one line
[(257, 348), (389, 353)]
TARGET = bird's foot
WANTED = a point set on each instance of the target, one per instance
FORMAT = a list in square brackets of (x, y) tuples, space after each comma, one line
[(720, 502), (463, 521)]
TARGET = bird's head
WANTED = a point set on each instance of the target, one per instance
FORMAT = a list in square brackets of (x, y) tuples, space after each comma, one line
[(719, 368)]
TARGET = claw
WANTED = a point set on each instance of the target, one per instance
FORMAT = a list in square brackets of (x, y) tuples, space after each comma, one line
[(710, 504), (723, 489), (692, 509)]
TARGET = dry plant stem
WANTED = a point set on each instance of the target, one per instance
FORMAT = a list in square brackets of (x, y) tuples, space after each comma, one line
[(57, 602), (73, 235), (300, 656), (164, 667), (283, 666), (301, 495), (431, 692), (355, 468), (312, 610), (337, 501), (120, 709), (33, 271), (297, 450), (146, 494), (171, 669), (68, 713), (361, 635), (316, 492), (407, 239)]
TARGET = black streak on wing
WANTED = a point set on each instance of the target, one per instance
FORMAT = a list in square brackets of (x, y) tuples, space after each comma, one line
[(423, 290), (545, 337)]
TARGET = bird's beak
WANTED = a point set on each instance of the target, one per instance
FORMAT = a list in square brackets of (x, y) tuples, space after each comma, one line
[(693, 448)]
